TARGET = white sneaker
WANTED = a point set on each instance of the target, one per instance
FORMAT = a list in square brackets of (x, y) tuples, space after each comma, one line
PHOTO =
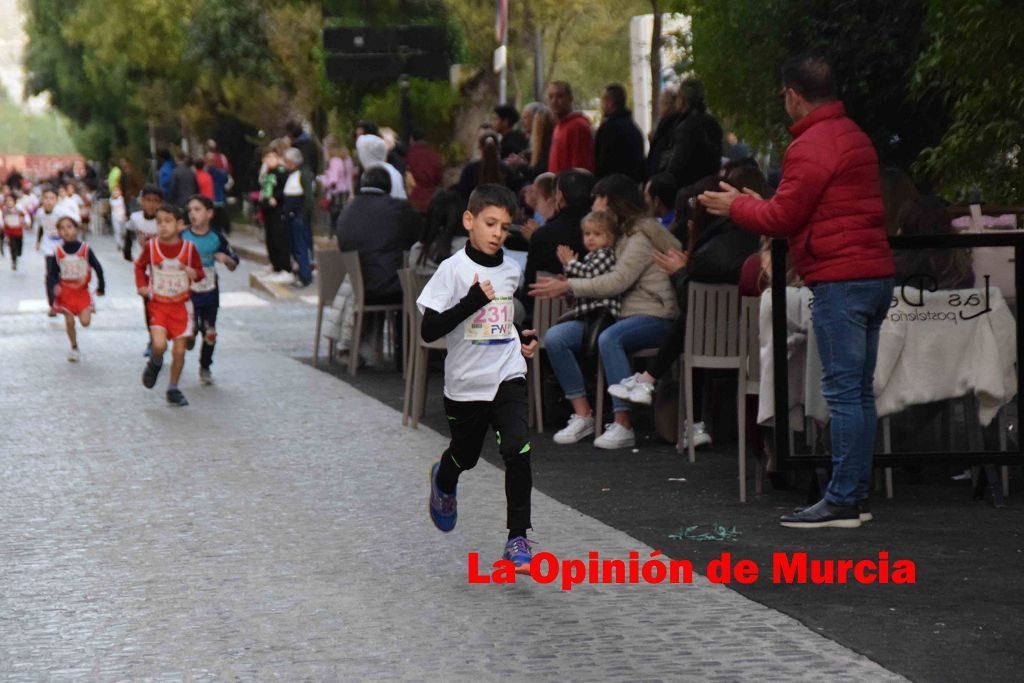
[(73, 356), (700, 436), (633, 390), (579, 428), (616, 436)]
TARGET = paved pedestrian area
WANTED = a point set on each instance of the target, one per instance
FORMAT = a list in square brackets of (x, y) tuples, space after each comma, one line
[(276, 529)]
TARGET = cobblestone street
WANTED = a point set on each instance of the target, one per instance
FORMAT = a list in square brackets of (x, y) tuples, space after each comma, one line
[(276, 529)]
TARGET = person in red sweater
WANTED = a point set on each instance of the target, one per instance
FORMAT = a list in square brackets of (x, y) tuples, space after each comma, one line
[(829, 208), (204, 181), (164, 273), (572, 145)]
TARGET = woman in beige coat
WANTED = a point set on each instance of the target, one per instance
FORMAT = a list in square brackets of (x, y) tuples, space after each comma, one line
[(648, 307)]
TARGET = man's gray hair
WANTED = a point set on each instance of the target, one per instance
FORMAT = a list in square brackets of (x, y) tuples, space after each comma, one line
[(293, 155)]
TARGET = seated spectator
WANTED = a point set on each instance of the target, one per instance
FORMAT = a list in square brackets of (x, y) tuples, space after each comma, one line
[(380, 228), (660, 193), (488, 169), (513, 140), (648, 308), (931, 268), (540, 198), (373, 151), (717, 257), (572, 199), (444, 233)]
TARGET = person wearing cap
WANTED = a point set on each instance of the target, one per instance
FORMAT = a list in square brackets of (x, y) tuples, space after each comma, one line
[(297, 210)]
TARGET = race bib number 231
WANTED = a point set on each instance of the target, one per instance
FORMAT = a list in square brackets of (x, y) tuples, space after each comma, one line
[(492, 324)]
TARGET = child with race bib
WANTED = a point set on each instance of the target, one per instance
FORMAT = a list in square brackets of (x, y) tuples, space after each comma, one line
[(468, 301), (164, 273), (213, 249), (68, 273)]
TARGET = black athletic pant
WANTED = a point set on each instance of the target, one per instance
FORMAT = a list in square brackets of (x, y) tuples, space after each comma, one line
[(206, 325), (507, 415), (14, 244)]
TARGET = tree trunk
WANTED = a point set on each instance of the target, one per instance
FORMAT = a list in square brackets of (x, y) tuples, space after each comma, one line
[(655, 61)]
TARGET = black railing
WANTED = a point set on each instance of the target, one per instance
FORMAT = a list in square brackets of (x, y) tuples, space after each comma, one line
[(788, 460)]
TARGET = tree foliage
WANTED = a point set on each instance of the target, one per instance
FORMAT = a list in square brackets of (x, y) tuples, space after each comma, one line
[(740, 46), (975, 60)]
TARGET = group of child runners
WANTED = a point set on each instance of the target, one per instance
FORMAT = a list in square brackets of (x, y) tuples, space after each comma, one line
[(175, 273), (468, 301)]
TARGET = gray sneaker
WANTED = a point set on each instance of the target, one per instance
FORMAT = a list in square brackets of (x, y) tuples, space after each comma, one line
[(205, 376)]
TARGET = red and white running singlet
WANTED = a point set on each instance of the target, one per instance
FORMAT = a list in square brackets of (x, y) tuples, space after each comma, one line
[(167, 276), (75, 271)]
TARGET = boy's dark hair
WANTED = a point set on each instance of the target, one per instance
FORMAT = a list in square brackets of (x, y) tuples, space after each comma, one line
[(508, 113), (154, 190), (575, 187), (202, 199), (171, 209), (490, 194), (376, 177), (742, 162), (47, 188), (810, 75), (663, 186), (163, 154), (198, 163)]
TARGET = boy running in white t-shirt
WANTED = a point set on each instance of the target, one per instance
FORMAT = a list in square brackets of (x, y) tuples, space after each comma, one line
[(469, 302)]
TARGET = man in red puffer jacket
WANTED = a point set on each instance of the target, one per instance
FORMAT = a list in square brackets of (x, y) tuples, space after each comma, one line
[(829, 208), (572, 143)]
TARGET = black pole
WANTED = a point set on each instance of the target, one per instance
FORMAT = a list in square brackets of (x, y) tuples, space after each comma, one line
[(1018, 277), (403, 88), (780, 353)]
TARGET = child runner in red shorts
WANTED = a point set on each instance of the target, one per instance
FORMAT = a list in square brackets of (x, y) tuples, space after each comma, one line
[(164, 273), (68, 272)]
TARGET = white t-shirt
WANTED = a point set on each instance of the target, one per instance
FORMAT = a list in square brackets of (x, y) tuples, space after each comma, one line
[(117, 209), (145, 228), (483, 351), (48, 222)]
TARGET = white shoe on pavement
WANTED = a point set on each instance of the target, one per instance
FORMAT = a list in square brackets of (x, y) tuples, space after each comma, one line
[(576, 430), (616, 436), (73, 356), (633, 390), (700, 436)]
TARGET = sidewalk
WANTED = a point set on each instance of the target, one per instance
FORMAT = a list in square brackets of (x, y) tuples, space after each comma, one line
[(276, 528)]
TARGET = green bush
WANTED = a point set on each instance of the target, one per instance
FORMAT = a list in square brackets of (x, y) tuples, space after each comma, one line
[(433, 105)]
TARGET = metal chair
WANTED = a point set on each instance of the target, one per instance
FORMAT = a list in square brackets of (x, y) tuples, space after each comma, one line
[(546, 313), (350, 259), (711, 341), (330, 275), (749, 383), (419, 352)]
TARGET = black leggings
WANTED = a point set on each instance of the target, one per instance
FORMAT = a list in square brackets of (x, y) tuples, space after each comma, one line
[(507, 415), (14, 244)]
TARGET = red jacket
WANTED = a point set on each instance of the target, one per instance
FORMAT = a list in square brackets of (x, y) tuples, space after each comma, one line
[(572, 144), (829, 204), (205, 183)]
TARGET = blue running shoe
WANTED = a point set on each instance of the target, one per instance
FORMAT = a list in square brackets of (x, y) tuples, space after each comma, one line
[(519, 551), (442, 505)]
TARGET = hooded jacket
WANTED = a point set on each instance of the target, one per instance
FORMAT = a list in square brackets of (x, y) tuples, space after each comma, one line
[(373, 151), (645, 288), (572, 144), (828, 204)]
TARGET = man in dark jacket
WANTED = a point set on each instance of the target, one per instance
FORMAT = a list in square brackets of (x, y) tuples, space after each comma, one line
[(619, 145), (661, 139), (182, 184), (304, 142), (697, 139), (829, 207), (380, 228), (572, 196)]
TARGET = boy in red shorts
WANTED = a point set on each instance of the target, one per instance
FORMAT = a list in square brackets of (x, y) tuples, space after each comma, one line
[(68, 272), (164, 273)]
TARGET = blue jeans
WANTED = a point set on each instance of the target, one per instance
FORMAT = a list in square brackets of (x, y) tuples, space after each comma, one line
[(301, 242), (629, 334), (847, 317)]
